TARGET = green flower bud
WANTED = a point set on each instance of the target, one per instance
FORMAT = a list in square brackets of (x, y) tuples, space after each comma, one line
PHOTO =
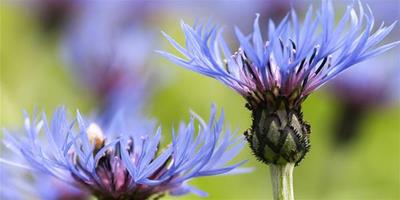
[(278, 135)]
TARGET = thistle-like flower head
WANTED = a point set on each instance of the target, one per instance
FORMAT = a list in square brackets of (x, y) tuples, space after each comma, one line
[(128, 165), (296, 59), (275, 75)]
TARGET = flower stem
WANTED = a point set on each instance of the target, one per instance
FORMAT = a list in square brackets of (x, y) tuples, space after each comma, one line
[(282, 181)]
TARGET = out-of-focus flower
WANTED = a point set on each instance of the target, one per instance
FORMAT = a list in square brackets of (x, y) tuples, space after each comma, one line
[(128, 165), (362, 89), (107, 48), (276, 75)]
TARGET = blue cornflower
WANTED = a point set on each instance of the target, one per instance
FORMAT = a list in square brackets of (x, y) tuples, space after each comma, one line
[(130, 164), (296, 59), (276, 75)]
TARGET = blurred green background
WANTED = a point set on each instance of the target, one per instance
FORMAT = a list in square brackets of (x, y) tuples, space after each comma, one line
[(33, 75)]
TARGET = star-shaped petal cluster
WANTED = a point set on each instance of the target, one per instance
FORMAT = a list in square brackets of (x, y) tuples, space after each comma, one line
[(296, 59), (128, 165)]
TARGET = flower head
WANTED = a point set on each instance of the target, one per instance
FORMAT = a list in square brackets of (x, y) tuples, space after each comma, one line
[(294, 61), (276, 75), (130, 164)]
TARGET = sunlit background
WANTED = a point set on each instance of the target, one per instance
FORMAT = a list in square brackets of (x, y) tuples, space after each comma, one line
[(355, 141)]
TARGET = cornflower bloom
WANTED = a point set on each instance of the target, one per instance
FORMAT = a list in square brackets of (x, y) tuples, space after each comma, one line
[(128, 165), (276, 75)]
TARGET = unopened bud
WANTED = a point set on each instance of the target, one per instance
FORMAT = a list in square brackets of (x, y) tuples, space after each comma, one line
[(278, 135)]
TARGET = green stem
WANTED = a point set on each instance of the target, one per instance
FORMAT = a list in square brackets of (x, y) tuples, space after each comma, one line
[(282, 181)]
